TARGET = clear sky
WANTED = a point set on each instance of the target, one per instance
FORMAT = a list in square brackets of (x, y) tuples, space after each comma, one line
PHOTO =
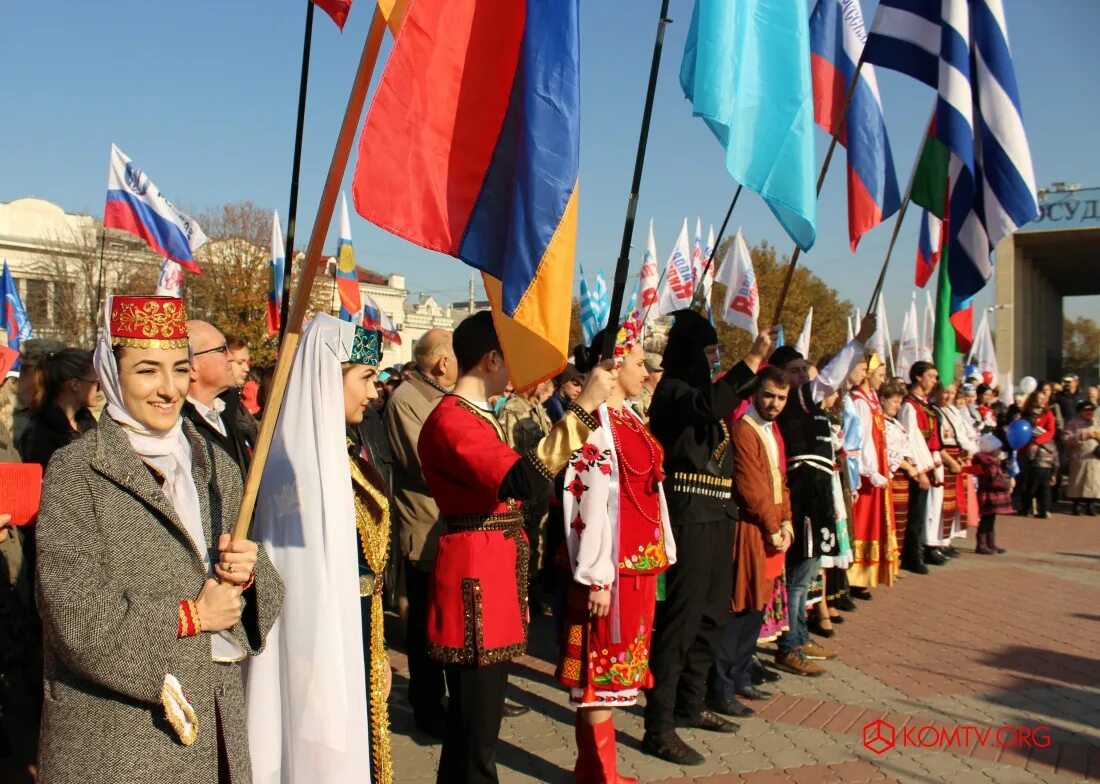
[(202, 95)]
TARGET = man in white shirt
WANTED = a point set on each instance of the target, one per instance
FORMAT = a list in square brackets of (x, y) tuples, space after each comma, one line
[(211, 375)]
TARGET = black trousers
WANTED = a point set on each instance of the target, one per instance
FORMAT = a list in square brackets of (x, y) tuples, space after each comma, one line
[(986, 523), (1037, 487), (733, 655), (474, 713), (689, 622), (912, 549), (426, 686)]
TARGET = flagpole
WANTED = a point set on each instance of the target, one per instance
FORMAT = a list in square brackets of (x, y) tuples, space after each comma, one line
[(101, 283), (697, 297), (622, 266), (841, 123), (288, 257), (293, 324)]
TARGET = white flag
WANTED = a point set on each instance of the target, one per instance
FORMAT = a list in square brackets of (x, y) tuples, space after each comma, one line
[(677, 291), (928, 329), (880, 341), (649, 278), (170, 282), (708, 279), (909, 344), (983, 353), (803, 344), (851, 334), (742, 305)]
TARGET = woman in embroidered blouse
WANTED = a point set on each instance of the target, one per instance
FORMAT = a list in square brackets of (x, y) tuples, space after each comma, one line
[(323, 514), (619, 541)]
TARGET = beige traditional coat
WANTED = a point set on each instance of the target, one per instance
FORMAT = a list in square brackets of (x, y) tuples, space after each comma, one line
[(1084, 465), (114, 561)]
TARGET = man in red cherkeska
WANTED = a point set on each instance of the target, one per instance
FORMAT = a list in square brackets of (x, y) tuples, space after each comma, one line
[(477, 613)]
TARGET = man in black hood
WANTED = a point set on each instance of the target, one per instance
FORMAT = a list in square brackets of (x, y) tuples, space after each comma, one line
[(688, 416)]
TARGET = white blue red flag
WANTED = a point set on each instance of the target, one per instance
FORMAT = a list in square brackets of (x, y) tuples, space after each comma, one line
[(136, 205), (372, 315), (170, 282), (677, 291), (961, 48), (928, 247), (278, 273), (13, 316), (837, 36)]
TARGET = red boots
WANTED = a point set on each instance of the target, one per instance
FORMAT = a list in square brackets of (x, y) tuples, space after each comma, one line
[(596, 759)]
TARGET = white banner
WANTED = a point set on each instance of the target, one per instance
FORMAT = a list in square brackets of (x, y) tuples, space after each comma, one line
[(677, 290), (742, 305)]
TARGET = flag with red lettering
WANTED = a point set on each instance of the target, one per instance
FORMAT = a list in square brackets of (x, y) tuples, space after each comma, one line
[(742, 299), (679, 281)]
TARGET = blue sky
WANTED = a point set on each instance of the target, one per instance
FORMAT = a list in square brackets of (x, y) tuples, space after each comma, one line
[(202, 96)]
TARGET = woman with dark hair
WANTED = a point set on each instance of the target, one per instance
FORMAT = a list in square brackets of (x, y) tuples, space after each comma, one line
[(1041, 454), (148, 607), (68, 390)]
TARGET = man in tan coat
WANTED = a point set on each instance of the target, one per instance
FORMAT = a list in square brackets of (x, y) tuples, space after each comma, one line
[(417, 515)]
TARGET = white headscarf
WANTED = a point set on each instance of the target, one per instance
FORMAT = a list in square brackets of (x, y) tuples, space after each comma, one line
[(306, 694), (169, 452)]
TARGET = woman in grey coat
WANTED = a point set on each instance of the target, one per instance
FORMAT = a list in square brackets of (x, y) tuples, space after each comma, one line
[(142, 644)]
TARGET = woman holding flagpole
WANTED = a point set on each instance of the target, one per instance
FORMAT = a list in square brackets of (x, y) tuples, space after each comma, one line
[(142, 677), (317, 698), (619, 541)]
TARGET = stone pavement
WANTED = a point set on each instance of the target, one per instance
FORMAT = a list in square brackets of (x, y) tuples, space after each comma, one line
[(956, 663)]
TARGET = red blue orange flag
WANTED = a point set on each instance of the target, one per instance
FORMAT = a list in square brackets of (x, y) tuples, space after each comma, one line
[(347, 271), (471, 147)]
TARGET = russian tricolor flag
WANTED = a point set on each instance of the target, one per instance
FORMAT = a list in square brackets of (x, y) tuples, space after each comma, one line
[(471, 147), (136, 205), (837, 37), (277, 277), (928, 247)]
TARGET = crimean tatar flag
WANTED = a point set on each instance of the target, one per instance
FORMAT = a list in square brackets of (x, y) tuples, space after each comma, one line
[(347, 271), (136, 205), (471, 147)]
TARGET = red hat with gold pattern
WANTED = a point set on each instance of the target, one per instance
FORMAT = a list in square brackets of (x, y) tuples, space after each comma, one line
[(148, 322)]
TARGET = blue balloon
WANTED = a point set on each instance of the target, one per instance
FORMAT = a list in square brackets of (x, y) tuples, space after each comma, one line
[(970, 370), (1013, 466), (1019, 434)]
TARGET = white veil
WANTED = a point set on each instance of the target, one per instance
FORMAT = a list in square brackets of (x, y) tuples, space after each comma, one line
[(306, 693)]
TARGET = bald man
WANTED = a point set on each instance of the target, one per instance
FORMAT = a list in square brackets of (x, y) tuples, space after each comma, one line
[(211, 411)]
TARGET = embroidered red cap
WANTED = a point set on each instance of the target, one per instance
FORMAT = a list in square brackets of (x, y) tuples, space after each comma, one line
[(148, 322)]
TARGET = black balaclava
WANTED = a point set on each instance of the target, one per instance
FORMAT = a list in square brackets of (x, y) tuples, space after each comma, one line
[(685, 355)]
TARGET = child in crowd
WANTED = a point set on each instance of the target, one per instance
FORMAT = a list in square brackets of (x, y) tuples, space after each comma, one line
[(994, 491)]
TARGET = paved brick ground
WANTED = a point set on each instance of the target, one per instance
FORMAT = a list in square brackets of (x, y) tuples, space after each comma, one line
[(982, 643)]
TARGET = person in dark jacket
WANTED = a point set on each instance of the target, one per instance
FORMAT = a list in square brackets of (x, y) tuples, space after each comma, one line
[(688, 417), (63, 410)]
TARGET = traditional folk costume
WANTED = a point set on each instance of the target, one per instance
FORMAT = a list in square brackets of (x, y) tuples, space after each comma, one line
[(950, 446), (959, 440), (919, 417), (130, 520), (764, 510), (899, 448), (687, 416), (317, 696), (810, 473), (874, 543), (477, 612)]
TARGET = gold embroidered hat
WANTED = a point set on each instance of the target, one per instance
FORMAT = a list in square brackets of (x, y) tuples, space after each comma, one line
[(148, 322)]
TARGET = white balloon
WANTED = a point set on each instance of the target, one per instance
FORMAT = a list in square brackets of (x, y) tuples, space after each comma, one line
[(1028, 385)]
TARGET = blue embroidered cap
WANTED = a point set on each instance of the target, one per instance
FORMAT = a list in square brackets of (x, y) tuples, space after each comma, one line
[(366, 347)]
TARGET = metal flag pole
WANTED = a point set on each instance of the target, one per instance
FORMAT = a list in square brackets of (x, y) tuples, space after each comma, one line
[(841, 123), (288, 348), (292, 217), (622, 266)]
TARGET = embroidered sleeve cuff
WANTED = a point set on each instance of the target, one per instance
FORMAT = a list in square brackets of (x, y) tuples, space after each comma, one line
[(188, 624), (776, 539), (566, 436), (533, 459)]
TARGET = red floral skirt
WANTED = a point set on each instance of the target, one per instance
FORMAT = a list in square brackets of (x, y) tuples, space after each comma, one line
[(597, 671)]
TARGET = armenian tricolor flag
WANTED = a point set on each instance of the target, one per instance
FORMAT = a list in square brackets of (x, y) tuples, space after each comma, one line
[(471, 148), (347, 273)]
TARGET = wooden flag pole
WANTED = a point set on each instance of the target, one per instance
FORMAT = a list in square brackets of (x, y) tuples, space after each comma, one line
[(288, 347), (292, 213), (843, 121), (697, 297), (622, 266)]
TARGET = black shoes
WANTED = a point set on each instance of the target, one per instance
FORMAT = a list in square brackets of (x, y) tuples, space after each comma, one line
[(708, 720), (950, 551), (816, 627), (753, 693), (511, 710), (863, 594), (916, 567), (844, 603), (932, 556), (731, 706), (761, 674), (671, 748)]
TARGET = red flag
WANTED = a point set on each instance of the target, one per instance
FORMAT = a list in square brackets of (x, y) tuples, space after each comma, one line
[(337, 9), (963, 322)]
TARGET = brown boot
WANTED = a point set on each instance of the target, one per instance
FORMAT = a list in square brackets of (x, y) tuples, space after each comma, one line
[(812, 650), (795, 661), (991, 543), (983, 547)]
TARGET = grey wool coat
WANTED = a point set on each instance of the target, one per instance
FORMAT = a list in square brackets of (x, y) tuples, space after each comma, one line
[(114, 561)]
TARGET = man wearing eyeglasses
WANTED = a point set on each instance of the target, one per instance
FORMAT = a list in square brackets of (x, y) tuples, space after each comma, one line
[(211, 375)]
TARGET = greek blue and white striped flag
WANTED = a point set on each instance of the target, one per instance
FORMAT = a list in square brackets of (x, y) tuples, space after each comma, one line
[(590, 318), (601, 301), (961, 48)]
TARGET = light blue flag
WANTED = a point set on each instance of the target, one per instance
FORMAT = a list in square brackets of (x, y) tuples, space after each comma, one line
[(601, 301), (589, 317), (746, 71)]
